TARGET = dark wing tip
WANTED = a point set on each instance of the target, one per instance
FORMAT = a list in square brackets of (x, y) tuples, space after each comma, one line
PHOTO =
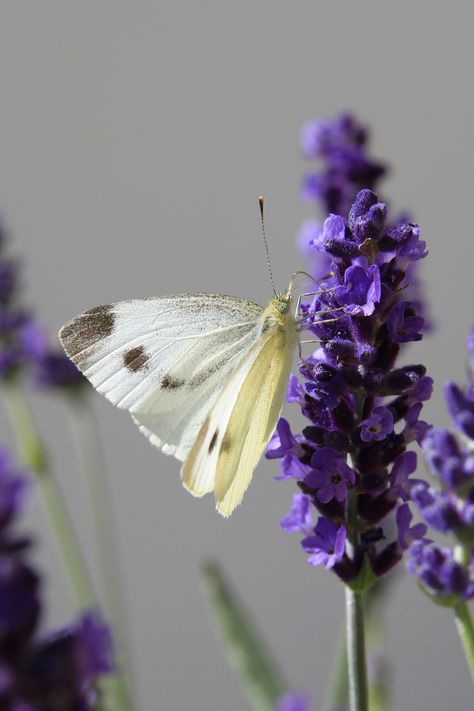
[(83, 332)]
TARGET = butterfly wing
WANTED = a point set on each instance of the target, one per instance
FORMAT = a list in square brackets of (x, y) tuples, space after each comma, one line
[(234, 435), (164, 359)]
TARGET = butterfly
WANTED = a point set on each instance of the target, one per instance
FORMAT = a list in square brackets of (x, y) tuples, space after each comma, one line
[(204, 377)]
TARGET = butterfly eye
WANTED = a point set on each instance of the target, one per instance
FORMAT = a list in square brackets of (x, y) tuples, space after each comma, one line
[(282, 303)]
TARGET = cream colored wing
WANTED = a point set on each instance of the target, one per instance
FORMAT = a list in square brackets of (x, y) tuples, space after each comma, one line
[(164, 359), (234, 435)]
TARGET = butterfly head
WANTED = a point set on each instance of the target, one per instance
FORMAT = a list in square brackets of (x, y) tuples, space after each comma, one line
[(281, 303), (278, 313)]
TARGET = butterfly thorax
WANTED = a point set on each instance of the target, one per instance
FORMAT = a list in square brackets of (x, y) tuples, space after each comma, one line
[(277, 316)]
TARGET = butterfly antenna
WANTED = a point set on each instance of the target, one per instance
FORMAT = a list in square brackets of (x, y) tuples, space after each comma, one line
[(269, 264)]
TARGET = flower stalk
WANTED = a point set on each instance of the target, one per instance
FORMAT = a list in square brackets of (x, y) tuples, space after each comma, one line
[(91, 458), (465, 628), (355, 627), (356, 660), (338, 691), (33, 456)]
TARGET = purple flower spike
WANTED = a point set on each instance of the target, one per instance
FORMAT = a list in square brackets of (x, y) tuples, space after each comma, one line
[(357, 399), (361, 290), (61, 668), (300, 519), (331, 476), (327, 546), (377, 426)]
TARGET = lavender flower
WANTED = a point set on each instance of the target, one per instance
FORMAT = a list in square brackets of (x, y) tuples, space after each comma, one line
[(363, 409), (327, 545), (23, 344), (448, 575), (330, 476), (343, 168), (341, 144), (57, 672), (55, 370)]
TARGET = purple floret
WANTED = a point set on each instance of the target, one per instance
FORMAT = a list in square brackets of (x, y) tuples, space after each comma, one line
[(327, 545), (361, 291), (331, 477)]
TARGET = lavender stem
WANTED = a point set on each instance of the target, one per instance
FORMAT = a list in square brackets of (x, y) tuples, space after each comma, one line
[(465, 629), (338, 687), (355, 630), (462, 615), (90, 455), (33, 456)]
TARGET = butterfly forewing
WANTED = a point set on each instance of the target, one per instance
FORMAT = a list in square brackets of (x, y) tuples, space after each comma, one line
[(164, 359)]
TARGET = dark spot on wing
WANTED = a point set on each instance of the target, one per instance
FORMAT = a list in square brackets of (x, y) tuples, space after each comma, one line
[(213, 441), (226, 443), (85, 331), (135, 359), (170, 383)]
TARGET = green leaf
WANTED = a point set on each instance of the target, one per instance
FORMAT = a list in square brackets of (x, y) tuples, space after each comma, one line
[(246, 650)]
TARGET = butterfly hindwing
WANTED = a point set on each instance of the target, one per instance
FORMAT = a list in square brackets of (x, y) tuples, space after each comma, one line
[(235, 433)]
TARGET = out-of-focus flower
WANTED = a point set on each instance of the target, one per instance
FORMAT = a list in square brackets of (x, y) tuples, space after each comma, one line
[(448, 575), (341, 145), (293, 702), (57, 672), (23, 344)]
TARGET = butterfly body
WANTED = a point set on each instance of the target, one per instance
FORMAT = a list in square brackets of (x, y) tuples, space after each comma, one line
[(204, 376)]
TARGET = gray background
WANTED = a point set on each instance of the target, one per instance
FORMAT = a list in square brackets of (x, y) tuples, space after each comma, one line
[(134, 141)]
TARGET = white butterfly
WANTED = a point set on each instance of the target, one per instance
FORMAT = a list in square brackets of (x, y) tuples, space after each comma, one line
[(204, 376)]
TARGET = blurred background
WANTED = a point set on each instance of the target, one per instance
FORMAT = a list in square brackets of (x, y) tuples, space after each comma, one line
[(135, 139)]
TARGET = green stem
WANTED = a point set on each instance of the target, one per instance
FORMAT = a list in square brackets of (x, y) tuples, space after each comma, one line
[(90, 454), (465, 629), (338, 689), (357, 668), (355, 630), (33, 456)]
